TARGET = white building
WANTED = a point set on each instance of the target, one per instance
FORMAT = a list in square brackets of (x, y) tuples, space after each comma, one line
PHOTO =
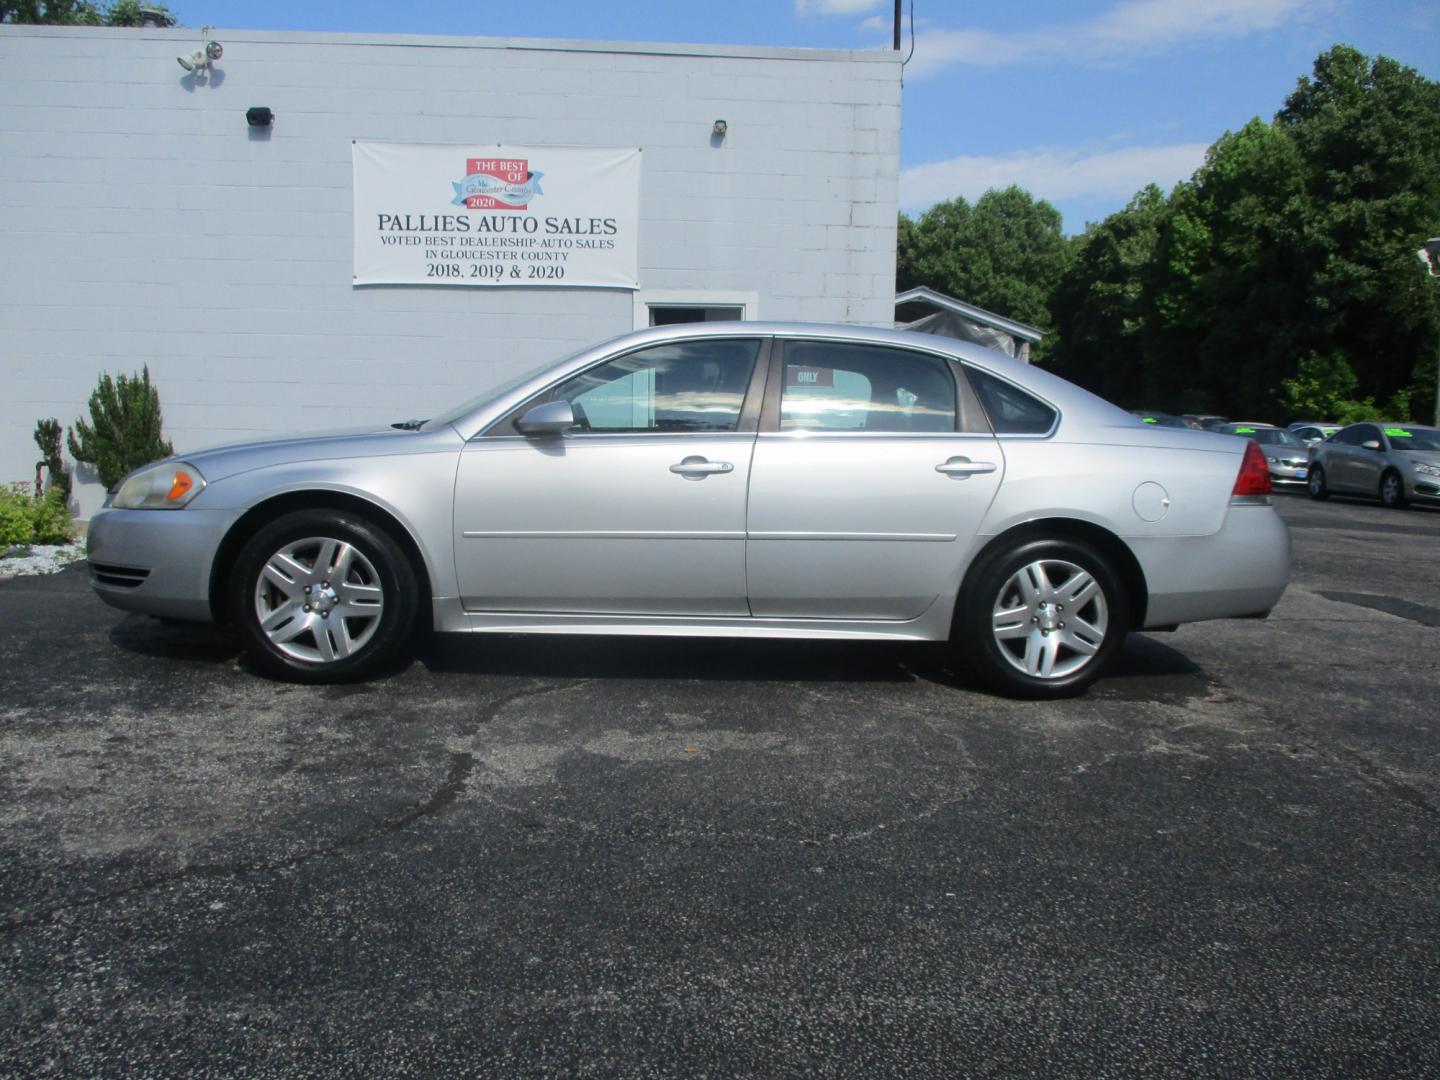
[(144, 221)]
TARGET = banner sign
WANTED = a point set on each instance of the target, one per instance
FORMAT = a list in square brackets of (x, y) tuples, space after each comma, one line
[(428, 214)]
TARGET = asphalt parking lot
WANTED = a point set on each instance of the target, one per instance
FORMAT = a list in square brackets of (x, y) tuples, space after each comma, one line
[(573, 856)]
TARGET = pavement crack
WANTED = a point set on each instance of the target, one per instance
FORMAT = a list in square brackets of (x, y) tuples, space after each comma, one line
[(1374, 773), (461, 766)]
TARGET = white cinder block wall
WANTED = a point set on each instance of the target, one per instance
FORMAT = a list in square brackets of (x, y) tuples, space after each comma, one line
[(143, 222)]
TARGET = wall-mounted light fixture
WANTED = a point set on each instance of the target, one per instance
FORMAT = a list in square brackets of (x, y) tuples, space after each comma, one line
[(200, 60), (259, 116), (720, 128)]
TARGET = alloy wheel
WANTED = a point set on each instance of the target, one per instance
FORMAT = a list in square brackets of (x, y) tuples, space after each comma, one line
[(319, 599), (1050, 618)]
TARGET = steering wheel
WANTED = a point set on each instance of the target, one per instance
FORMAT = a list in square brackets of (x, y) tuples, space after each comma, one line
[(582, 422)]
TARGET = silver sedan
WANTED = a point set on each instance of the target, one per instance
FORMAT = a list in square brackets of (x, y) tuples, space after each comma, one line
[(1286, 454), (741, 479), (1394, 462)]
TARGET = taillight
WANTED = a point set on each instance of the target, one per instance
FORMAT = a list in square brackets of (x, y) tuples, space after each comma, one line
[(1254, 478)]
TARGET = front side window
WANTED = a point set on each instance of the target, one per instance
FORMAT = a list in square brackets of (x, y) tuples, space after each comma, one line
[(831, 386), (686, 386), (1011, 410)]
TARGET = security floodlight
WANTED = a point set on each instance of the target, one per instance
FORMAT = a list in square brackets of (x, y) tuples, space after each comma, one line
[(200, 60)]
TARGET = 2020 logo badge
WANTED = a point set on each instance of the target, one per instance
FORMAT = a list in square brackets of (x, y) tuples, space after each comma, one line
[(497, 184)]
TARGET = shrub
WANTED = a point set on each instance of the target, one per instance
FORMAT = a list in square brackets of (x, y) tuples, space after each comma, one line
[(25, 519), (47, 437), (16, 515), (124, 428)]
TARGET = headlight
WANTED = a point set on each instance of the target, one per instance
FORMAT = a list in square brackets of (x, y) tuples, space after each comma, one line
[(167, 486), (1428, 470)]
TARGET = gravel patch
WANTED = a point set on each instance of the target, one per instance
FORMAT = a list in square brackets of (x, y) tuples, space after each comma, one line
[(41, 559)]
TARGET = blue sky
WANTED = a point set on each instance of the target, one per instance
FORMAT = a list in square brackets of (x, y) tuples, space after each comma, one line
[(1082, 102)]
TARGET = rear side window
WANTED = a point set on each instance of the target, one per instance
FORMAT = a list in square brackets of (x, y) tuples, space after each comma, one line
[(830, 386), (1012, 411)]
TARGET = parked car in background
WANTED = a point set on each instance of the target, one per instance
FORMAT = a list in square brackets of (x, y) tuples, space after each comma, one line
[(1392, 462), (1311, 432), (717, 480), (1285, 454), (1207, 421), (1160, 419)]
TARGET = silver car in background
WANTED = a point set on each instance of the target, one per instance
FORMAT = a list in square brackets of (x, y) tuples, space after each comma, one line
[(1392, 462), (717, 480), (1311, 432), (1286, 455)]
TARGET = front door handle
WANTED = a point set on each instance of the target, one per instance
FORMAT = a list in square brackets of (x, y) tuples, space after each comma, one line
[(696, 467), (961, 467)]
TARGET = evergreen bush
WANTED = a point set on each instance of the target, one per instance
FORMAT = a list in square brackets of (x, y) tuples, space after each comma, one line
[(47, 437), (124, 428)]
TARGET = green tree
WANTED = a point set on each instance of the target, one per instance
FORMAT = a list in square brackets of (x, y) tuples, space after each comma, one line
[(124, 432), (1368, 131), (1281, 278), (1006, 253), (1104, 303), (77, 12)]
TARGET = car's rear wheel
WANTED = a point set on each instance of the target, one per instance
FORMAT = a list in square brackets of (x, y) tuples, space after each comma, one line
[(1315, 483), (1392, 490), (1041, 619), (323, 596)]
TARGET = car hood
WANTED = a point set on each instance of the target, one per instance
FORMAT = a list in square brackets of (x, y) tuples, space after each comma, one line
[(1423, 457), (217, 462)]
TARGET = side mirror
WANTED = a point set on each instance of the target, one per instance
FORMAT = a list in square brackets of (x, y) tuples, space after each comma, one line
[(549, 419), (1371, 444)]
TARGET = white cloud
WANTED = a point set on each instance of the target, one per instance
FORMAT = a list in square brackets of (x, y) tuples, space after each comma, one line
[(1128, 28), (1053, 173), (835, 7)]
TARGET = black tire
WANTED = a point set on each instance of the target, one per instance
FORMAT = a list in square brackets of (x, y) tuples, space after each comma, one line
[(1315, 485), (998, 665), (1392, 490), (377, 562)]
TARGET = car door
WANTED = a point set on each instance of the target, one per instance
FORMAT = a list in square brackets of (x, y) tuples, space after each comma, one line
[(639, 508), (873, 470), (1364, 464), (1338, 461)]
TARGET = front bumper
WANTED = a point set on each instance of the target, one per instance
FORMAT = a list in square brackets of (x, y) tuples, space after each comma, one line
[(1242, 570), (1422, 488), (156, 562), (1285, 474)]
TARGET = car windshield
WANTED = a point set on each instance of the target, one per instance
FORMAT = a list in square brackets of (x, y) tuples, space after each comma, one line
[(1413, 438), (1276, 437), (450, 416)]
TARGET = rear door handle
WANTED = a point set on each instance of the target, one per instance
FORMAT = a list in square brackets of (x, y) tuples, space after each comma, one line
[(961, 467), (696, 467)]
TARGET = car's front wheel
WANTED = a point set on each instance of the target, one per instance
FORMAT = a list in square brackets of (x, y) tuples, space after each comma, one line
[(1315, 483), (1392, 490), (323, 596), (1041, 619)]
